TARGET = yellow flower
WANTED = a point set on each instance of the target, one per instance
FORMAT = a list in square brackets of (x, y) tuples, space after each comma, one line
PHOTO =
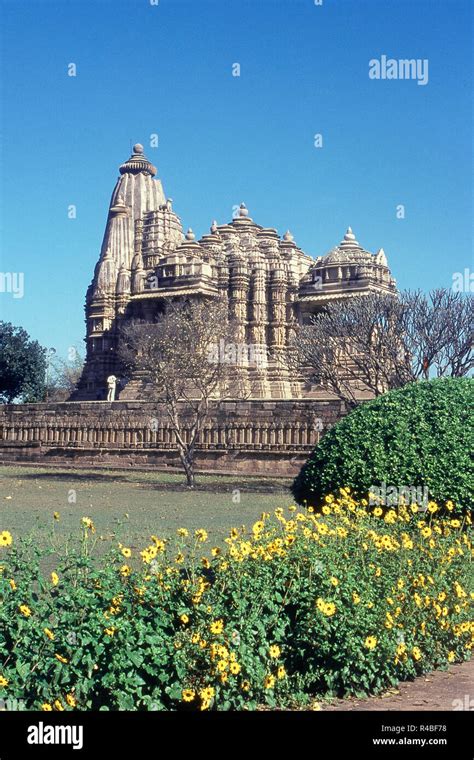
[(6, 538), (416, 653), (245, 685), (281, 672), (316, 707), (46, 707), (257, 528), (88, 524), (207, 693), (56, 515), (126, 552), (378, 511), (201, 535), (451, 656), (460, 593), (234, 668), (3, 681), (274, 651), (110, 631), (58, 705), (25, 610), (71, 700), (221, 666), (61, 658), (188, 695), (49, 634), (329, 609), (217, 627), (125, 571), (390, 517), (12, 584), (269, 681), (401, 649), (184, 618), (54, 578), (371, 642), (334, 581), (183, 532), (158, 547), (205, 563)]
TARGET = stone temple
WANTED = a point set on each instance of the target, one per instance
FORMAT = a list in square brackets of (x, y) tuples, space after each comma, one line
[(270, 284)]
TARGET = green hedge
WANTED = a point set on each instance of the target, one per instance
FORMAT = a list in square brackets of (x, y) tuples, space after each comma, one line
[(419, 436)]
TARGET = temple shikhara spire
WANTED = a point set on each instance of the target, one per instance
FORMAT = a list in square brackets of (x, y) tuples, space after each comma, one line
[(270, 284)]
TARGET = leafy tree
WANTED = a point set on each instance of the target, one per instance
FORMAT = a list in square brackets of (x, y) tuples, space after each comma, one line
[(22, 366)]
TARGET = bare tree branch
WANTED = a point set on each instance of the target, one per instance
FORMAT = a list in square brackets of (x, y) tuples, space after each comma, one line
[(178, 356), (370, 344)]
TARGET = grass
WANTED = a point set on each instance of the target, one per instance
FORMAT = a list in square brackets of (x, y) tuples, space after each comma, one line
[(131, 504)]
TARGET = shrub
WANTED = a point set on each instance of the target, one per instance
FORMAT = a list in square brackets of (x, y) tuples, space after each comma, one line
[(302, 606), (417, 437)]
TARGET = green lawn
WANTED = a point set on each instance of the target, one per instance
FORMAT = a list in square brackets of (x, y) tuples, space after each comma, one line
[(155, 502)]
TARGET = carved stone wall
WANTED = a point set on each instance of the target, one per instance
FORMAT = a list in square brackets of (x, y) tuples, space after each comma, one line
[(240, 436)]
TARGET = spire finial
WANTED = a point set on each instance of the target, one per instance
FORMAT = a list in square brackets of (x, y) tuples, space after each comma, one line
[(138, 163), (190, 234), (243, 210), (288, 236), (349, 239)]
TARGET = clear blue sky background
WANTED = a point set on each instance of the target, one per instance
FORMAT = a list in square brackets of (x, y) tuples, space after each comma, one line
[(167, 69)]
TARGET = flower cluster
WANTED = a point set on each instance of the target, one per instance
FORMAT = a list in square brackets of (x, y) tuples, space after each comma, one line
[(302, 605)]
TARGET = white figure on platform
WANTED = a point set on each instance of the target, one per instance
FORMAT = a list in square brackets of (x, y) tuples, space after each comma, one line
[(111, 387)]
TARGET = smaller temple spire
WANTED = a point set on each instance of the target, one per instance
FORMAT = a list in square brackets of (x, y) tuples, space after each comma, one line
[(119, 206)]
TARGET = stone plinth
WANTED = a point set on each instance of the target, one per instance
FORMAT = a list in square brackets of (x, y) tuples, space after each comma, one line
[(240, 436)]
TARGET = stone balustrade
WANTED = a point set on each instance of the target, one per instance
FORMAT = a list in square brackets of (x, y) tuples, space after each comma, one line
[(238, 434)]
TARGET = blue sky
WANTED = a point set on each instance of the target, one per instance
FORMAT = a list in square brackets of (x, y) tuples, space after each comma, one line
[(167, 69)]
